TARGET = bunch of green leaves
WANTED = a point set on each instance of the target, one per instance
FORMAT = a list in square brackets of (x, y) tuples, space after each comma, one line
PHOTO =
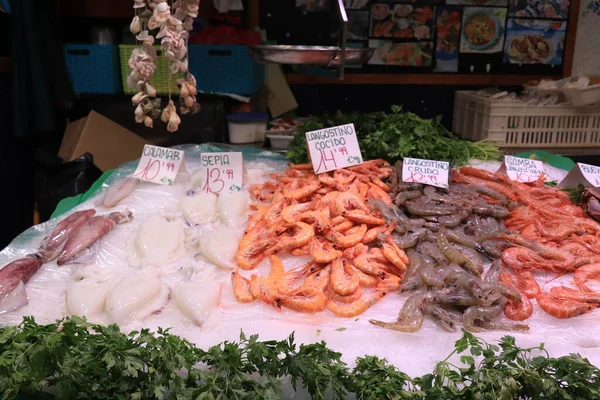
[(395, 135), (76, 359)]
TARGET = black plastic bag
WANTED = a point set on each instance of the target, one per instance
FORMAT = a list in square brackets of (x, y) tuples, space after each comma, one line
[(56, 180)]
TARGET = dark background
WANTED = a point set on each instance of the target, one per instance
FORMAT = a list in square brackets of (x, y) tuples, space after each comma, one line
[(21, 157)]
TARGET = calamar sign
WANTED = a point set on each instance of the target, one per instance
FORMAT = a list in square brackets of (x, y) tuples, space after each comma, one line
[(159, 165)]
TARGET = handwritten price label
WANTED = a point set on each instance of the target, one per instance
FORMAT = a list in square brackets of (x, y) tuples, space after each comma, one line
[(159, 164), (591, 173), (333, 148), (522, 169), (428, 172), (221, 172)]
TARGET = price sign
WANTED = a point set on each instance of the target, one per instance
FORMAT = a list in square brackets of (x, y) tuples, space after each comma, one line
[(221, 172), (586, 174), (333, 148), (429, 172), (522, 169), (159, 164)]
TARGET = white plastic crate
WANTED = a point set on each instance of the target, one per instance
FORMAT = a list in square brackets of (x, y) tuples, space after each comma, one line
[(515, 125)]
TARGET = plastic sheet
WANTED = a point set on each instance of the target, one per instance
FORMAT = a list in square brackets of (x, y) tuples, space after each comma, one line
[(414, 353)]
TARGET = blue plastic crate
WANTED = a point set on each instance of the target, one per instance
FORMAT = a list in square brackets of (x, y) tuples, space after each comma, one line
[(225, 69), (94, 68)]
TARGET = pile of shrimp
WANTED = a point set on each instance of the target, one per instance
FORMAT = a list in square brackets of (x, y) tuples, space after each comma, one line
[(553, 235), (354, 261), (448, 234)]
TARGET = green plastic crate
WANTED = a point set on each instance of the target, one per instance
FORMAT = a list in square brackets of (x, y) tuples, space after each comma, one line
[(160, 79)]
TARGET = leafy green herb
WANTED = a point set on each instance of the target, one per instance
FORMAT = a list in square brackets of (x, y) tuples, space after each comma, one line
[(393, 136), (340, 329), (576, 193), (77, 359)]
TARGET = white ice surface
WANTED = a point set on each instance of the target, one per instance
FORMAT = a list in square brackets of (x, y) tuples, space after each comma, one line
[(414, 353)]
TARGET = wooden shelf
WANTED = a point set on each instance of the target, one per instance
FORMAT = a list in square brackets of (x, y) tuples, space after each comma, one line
[(414, 79), (5, 64)]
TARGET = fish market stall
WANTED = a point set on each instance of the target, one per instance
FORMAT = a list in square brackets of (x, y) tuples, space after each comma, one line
[(342, 256)]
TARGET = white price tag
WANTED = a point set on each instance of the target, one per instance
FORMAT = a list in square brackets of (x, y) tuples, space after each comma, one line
[(522, 169), (159, 164), (221, 172), (429, 172), (586, 174), (333, 148)]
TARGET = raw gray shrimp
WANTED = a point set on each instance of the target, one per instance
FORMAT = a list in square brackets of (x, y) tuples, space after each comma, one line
[(503, 326), (491, 193), (409, 240), (478, 313), (490, 209), (459, 236), (453, 254), (411, 315), (453, 220), (450, 296), (446, 319), (432, 194), (493, 274), (413, 280), (492, 248), (429, 273), (429, 209), (433, 251), (403, 197)]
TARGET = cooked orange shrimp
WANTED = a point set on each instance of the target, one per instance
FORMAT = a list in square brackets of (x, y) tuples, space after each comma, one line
[(377, 182), (346, 201), (362, 218), (482, 174), (364, 279), (241, 288), (323, 252), (301, 192), (560, 308), (356, 308), (251, 252), (262, 289), (260, 192), (365, 263), (349, 240), (374, 232), (331, 182), (351, 298), (401, 253), (306, 304), (527, 284), (342, 280), (375, 192), (289, 284), (305, 233), (520, 258), (320, 219), (392, 256), (585, 273), (307, 166), (301, 251), (567, 293), (343, 226), (352, 252), (290, 213), (390, 283), (519, 312)]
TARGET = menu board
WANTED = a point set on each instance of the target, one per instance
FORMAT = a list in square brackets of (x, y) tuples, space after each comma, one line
[(460, 36)]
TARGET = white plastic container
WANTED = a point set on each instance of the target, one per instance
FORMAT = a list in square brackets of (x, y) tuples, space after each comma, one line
[(247, 127), (279, 141), (583, 97), (516, 126)]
